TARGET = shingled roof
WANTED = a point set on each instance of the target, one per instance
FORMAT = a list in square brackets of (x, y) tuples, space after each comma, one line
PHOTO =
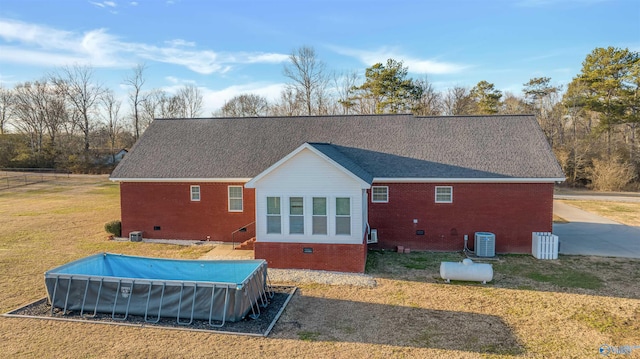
[(379, 146)]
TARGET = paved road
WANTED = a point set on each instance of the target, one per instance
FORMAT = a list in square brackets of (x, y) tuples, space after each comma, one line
[(590, 234), (628, 197)]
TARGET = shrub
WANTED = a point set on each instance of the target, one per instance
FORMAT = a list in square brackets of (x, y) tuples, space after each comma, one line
[(610, 175), (114, 227)]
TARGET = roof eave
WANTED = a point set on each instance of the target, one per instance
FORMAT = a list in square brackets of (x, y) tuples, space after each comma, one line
[(467, 180), (191, 179)]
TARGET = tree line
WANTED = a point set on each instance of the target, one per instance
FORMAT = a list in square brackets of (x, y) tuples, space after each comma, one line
[(68, 120), (592, 125)]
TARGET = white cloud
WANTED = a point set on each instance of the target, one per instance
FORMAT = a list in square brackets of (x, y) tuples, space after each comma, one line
[(180, 42), (37, 44), (104, 4), (266, 58), (420, 66), (133, 3)]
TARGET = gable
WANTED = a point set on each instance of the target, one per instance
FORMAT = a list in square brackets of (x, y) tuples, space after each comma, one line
[(305, 169), (383, 146)]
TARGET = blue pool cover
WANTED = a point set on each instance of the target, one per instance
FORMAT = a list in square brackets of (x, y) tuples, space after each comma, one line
[(158, 287)]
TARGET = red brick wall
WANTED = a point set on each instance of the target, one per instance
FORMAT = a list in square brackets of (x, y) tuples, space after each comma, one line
[(169, 206), (511, 211), (331, 257)]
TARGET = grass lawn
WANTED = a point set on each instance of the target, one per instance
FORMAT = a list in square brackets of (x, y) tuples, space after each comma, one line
[(533, 309), (624, 212)]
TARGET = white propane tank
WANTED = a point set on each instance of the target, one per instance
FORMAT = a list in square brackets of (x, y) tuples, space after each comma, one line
[(467, 271)]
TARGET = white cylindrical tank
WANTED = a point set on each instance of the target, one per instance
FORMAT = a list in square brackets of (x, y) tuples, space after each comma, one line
[(467, 271)]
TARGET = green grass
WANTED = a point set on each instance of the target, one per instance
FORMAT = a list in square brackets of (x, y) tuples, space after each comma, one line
[(387, 262), (308, 336), (564, 272), (567, 278)]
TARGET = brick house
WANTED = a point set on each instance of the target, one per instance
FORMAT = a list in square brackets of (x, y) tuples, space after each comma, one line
[(312, 189)]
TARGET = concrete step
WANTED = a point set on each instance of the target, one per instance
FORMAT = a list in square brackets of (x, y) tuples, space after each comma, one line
[(247, 245)]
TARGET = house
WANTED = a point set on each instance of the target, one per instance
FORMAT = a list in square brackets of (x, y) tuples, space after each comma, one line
[(312, 189), (108, 157)]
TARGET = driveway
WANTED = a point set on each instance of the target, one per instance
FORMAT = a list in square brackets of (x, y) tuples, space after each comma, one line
[(590, 234)]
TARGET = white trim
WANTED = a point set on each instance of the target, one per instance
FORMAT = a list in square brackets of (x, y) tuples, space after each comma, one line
[(327, 240), (464, 180), (252, 182), (229, 199), (375, 180), (435, 194), (191, 180), (374, 201), (191, 193)]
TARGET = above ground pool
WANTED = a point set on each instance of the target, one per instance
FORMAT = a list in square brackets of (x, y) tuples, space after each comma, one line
[(155, 288)]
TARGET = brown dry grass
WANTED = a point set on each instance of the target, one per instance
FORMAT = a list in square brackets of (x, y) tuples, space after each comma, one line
[(623, 212), (546, 309)]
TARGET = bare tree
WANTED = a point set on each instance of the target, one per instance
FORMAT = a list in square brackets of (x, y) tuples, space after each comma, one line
[(111, 115), (82, 94), (458, 101), (191, 98), (542, 97), (6, 108), (135, 82), (344, 85), (290, 104), (514, 105), (39, 110), (245, 105), (430, 101), (309, 78), (153, 106)]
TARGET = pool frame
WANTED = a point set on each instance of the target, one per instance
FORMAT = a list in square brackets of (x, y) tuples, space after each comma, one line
[(217, 301)]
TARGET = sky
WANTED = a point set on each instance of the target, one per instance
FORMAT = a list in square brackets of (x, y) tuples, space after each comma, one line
[(230, 47)]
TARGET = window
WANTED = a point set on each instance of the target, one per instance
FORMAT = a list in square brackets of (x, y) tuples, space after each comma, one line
[(343, 215), (296, 215), (235, 198), (379, 194), (444, 194), (319, 215), (195, 193), (274, 224)]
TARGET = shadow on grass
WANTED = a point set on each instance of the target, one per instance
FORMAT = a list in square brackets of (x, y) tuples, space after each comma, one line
[(611, 277), (333, 320)]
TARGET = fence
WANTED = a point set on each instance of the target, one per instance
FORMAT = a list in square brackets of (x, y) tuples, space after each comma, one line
[(544, 245), (11, 178)]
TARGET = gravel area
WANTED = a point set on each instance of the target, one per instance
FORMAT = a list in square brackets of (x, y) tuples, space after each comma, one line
[(259, 326), (322, 277)]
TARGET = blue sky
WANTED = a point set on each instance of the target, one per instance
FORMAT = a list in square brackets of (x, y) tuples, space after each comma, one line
[(228, 47)]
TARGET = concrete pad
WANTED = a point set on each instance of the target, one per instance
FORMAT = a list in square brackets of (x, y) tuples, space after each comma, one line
[(226, 251), (590, 234)]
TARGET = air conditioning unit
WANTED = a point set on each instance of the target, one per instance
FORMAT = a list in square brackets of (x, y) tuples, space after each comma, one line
[(373, 237), (135, 236), (485, 244)]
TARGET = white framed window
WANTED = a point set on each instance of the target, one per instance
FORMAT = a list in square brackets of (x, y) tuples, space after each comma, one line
[(444, 194), (319, 220), (235, 198), (379, 194), (343, 215), (296, 215), (195, 193), (274, 218)]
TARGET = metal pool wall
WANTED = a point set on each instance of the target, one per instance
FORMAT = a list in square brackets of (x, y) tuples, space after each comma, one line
[(122, 285)]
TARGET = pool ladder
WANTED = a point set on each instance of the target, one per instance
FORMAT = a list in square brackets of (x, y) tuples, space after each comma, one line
[(151, 319)]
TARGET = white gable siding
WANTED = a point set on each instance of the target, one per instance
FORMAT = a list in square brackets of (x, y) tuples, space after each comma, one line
[(308, 175)]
